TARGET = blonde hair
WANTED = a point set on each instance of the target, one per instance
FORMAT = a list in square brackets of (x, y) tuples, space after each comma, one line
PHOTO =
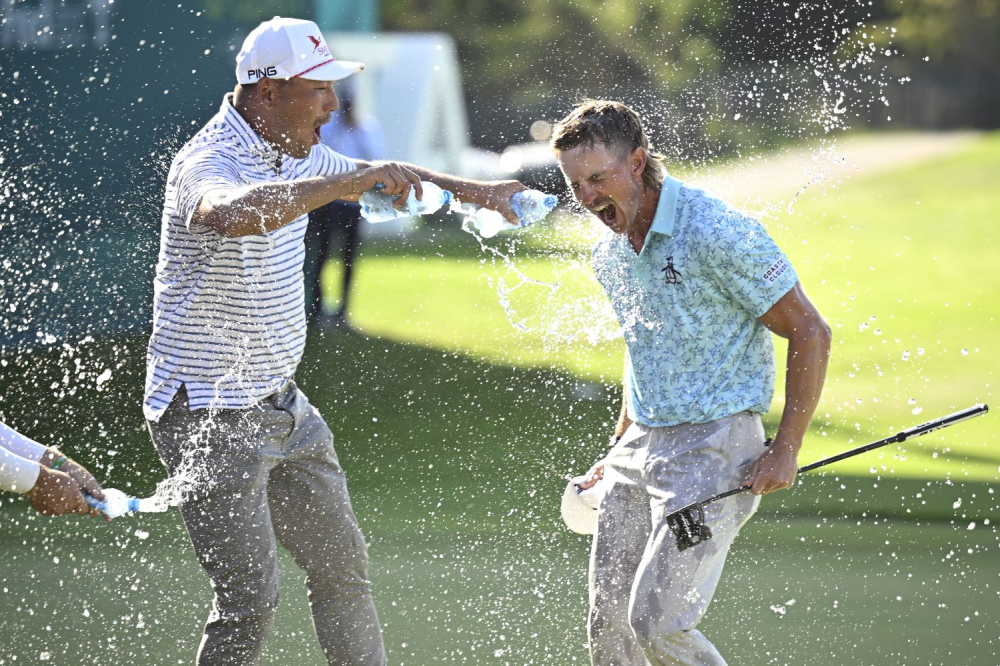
[(614, 125)]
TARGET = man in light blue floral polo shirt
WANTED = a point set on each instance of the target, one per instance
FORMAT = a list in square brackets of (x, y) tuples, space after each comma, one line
[(698, 289)]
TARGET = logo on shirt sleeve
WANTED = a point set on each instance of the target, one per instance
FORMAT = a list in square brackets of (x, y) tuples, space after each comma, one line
[(774, 272)]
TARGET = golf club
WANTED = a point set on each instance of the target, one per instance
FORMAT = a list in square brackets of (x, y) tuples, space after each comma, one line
[(688, 523)]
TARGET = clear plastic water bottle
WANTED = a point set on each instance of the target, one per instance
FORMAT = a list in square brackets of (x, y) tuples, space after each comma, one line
[(117, 503), (378, 207), (530, 206)]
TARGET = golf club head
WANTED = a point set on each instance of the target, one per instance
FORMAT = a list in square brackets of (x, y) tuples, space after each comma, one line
[(688, 525)]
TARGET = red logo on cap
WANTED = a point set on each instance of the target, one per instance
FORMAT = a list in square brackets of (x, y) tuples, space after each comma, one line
[(318, 45)]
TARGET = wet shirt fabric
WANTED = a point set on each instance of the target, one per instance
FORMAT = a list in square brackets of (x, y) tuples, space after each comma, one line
[(228, 313), (688, 305)]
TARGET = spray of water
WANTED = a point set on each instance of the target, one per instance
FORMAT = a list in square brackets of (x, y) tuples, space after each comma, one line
[(453, 479)]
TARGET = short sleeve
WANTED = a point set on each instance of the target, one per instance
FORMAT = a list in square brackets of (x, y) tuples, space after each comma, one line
[(328, 162), (201, 171), (747, 262)]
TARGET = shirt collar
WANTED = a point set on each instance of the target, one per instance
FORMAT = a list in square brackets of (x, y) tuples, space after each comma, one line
[(252, 141), (666, 210)]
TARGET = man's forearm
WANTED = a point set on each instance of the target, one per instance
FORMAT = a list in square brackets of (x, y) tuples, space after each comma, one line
[(623, 420), (465, 190), (808, 355), (259, 209)]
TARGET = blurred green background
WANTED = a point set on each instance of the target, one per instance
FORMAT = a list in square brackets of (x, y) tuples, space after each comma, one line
[(458, 420)]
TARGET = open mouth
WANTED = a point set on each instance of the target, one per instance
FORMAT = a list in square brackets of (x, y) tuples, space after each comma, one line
[(316, 129), (607, 213)]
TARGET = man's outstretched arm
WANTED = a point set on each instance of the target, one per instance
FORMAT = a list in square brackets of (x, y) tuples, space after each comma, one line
[(794, 318), (258, 209)]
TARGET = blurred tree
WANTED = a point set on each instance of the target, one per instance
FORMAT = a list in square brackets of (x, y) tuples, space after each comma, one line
[(956, 33), (252, 13), (951, 63), (559, 44), (679, 60)]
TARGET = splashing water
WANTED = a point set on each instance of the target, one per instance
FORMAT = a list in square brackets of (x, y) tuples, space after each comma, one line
[(448, 540), (503, 290)]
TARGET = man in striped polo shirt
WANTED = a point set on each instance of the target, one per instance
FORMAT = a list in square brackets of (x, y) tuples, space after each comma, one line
[(228, 333)]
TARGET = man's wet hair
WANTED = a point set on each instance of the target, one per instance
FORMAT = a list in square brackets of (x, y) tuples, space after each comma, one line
[(614, 125)]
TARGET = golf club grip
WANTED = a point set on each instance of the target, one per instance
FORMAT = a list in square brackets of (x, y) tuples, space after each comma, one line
[(915, 431)]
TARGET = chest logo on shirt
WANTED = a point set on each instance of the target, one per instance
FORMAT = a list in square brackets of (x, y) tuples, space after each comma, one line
[(670, 273)]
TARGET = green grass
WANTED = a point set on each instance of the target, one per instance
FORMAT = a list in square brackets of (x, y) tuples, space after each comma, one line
[(903, 265), (457, 431), (457, 485)]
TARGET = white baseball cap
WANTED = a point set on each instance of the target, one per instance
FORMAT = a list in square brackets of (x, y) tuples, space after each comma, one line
[(285, 48)]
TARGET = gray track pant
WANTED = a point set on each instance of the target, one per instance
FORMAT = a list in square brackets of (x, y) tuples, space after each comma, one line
[(269, 475), (646, 597)]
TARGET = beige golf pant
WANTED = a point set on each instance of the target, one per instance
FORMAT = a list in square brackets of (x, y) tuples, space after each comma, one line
[(269, 475), (646, 596)]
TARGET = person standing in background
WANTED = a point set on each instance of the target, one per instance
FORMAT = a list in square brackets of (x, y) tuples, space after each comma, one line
[(361, 138)]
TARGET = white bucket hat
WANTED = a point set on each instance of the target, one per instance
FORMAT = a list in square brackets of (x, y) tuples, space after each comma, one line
[(579, 507), (285, 48)]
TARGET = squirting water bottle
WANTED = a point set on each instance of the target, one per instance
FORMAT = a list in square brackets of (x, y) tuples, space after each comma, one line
[(117, 503), (530, 206), (378, 207)]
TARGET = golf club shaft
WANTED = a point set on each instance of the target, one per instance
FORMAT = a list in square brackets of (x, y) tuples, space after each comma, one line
[(915, 431)]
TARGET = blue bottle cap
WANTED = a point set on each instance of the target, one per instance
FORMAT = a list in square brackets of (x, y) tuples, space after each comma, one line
[(94, 502)]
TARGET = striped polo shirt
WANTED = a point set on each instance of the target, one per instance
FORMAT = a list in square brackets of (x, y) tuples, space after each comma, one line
[(228, 313)]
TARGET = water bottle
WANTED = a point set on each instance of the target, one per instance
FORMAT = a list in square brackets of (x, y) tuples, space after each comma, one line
[(377, 207), (530, 206), (118, 503)]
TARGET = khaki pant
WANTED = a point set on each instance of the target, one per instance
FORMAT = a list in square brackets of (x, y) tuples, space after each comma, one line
[(646, 597), (267, 475)]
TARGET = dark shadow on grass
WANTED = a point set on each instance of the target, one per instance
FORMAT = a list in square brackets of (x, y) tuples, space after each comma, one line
[(413, 425), (456, 467)]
